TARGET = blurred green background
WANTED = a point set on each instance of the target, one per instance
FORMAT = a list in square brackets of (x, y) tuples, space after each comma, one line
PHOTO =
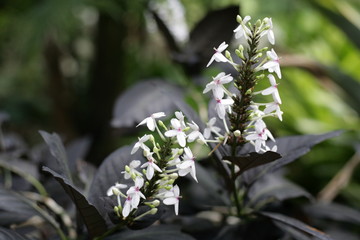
[(64, 62)]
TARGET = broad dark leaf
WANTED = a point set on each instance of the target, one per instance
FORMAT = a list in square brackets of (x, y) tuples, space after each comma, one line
[(161, 232), (57, 149), (294, 223), (252, 160), (217, 26), (147, 220), (76, 150), (8, 234), (333, 211), (290, 149), (144, 99), (12, 207), (109, 173), (276, 187), (91, 217), (295, 233)]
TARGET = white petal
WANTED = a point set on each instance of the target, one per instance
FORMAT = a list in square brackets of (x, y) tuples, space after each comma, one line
[(268, 91), (181, 139), (142, 122), (222, 47), (211, 60), (158, 115), (170, 201), (151, 124), (171, 133)]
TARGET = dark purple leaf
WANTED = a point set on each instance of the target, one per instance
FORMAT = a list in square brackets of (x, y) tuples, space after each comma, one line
[(91, 217), (57, 149), (76, 150), (161, 232), (144, 99), (108, 174), (290, 149), (217, 26), (12, 205), (333, 211), (8, 234), (276, 187), (294, 223), (252, 160), (295, 233)]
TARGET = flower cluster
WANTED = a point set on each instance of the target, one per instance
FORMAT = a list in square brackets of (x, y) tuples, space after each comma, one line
[(240, 109), (166, 160)]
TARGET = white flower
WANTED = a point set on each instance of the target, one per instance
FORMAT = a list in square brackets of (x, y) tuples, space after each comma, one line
[(151, 166), (273, 89), (269, 31), (273, 64), (172, 197), (175, 156), (260, 135), (140, 144), (178, 131), (131, 169), (150, 121), (115, 188), (135, 193), (211, 128), (222, 104), (218, 56), (127, 207), (195, 134), (180, 116), (242, 30), (217, 84), (274, 106), (188, 164)]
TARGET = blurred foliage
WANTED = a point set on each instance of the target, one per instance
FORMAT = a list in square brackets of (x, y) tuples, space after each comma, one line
[(312, 101)]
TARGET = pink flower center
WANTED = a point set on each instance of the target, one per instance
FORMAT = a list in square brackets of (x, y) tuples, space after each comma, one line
[(218, 100)]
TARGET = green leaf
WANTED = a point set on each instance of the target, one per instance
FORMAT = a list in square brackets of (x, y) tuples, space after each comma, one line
[(91, 217)]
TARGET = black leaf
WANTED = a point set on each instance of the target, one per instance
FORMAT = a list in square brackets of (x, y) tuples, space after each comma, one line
[(144, 99), (252, 160), (8, 234), (294, 223), (91, 217)]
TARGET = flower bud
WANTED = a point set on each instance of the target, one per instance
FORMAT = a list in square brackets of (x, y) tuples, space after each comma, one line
[(127, 168), (237, 133), (161, 124), (238, 19), (227, 55), (174, 176), (240, 53), (115, 191), (153, 211)]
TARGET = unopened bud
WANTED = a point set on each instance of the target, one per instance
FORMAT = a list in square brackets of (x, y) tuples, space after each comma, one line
[(258, 23), (168, 188), (153, 211), (161, 124), (227, 54), (174, 176), (237, 133), (115, 191), (238, 19), (127, 168), (156, 203), (187, 129), (171, 182), (240, 53)]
